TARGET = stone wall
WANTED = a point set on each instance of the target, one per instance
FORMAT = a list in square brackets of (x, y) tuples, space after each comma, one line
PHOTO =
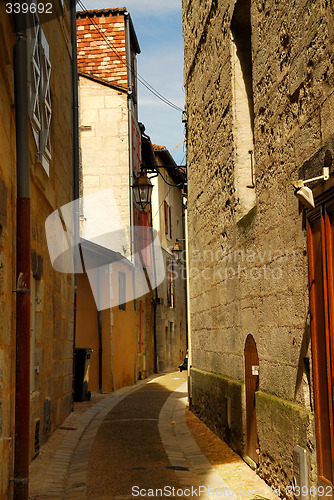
[(52, 293), (104, 138), (248, 271), (171, 321)]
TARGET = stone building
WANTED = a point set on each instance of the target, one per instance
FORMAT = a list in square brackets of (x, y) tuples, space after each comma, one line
[(111, 156), (259, 80), (168, 220), (36, 177)]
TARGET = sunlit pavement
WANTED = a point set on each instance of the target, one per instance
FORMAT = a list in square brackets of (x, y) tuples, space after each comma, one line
[(136, 443)]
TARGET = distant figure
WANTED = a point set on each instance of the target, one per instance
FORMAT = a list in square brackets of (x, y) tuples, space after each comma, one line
[(184, 365)]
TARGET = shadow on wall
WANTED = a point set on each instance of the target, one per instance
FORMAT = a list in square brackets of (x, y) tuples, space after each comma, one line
[(215, 399)]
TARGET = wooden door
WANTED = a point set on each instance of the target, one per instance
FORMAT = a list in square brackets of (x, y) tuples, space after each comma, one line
[(252, 385), (320, 228)]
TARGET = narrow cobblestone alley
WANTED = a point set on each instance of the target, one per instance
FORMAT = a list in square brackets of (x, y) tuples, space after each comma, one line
[(137, 440)]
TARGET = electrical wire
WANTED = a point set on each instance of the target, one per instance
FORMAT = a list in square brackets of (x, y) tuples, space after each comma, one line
[(168, 184), (135, 74), (157, 212)]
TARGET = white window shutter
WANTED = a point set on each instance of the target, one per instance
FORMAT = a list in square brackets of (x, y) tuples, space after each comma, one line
[(34, 76), (45, 104)]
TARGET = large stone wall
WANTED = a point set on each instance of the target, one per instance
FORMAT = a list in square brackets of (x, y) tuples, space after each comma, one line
[(248, 271), (52, 293)]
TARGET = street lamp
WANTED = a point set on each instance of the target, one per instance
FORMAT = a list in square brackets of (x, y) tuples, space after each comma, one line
[(142, 190), (177, 250)]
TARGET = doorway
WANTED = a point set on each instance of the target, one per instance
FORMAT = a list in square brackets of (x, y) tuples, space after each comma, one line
[(320, 235), (252, 385)]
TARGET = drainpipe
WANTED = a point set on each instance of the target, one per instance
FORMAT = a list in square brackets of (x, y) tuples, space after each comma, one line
[(155, 302), (76, 190), (130, 115), (99, 328), (22, 384)]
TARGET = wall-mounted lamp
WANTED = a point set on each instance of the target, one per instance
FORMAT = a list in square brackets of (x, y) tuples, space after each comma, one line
[(304, 194), (142, 190), (177, 250)]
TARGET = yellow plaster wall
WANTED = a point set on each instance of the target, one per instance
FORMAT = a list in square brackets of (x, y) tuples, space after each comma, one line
[(118, 335)]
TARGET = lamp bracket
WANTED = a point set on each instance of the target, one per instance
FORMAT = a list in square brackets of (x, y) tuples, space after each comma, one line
[(325, 176)]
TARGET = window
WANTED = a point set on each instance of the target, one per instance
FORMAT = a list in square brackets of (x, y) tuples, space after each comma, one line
[(40, 110), (121, 290), (243, 106), (168, 219)]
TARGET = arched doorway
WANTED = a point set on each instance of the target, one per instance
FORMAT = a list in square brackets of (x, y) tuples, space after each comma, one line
[(252, 385)]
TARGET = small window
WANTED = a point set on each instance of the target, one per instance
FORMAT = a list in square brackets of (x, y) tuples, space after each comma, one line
[(121, 290)]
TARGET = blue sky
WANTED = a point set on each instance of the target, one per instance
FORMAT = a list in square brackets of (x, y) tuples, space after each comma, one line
[(158, 24)]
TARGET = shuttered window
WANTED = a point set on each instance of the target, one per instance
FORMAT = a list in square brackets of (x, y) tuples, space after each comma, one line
[(40, 109)]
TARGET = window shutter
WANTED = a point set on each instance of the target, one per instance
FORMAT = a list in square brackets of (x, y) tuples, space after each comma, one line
[(173, 286), (169, 289), (45, 104), (34, 76), (144, 236), (40, 111), (170, 221), (166, 216)]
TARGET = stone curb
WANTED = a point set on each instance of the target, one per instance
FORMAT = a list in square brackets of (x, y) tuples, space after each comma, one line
[(182, 449)]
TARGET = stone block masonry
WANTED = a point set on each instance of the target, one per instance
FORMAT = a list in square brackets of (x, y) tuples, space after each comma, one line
[(249, 269)]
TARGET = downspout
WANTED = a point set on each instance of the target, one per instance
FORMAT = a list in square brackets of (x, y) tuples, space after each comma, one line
[(130, 114), (22, 383), (76, 191), (155, 302), (99, 328)]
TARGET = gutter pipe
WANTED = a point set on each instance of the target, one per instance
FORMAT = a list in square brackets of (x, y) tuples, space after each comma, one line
[(130, 116), (76, 166), (22, 383)]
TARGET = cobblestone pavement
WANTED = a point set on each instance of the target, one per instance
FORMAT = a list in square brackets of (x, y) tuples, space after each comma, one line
[(138, 440)]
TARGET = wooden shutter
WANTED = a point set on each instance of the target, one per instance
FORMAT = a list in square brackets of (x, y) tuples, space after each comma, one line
[(166, 216)]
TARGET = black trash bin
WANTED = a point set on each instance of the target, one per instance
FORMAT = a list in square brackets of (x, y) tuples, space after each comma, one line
[(81, 373)]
